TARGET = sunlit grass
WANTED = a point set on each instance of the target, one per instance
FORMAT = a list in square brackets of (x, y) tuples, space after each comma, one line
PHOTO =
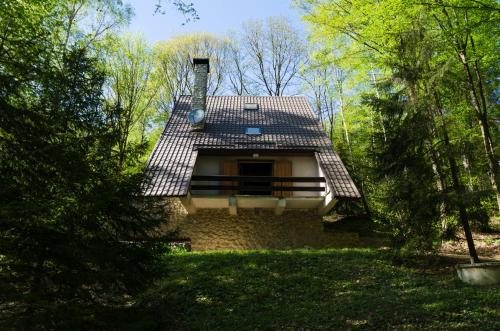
[(333, 289)]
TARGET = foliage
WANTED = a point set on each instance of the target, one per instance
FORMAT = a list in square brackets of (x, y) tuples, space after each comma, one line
[(438, 57), (132, 86), (303, 289), (404, 175), (187, 9), (76, 239)]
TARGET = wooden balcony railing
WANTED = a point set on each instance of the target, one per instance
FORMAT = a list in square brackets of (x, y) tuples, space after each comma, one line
[(257, 179)]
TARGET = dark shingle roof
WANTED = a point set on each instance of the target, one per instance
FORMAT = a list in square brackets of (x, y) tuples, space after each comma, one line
[(287, 123)]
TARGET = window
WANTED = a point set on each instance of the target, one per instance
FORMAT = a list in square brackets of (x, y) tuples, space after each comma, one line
[(253, 131), (251, 106)]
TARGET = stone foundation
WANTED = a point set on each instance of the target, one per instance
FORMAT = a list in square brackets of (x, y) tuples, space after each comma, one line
[(215, 229)]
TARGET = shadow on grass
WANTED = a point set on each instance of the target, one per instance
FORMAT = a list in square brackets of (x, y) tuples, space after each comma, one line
[(311, 289)]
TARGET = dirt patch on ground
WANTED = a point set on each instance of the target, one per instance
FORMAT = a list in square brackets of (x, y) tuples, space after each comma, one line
[(487, 246)]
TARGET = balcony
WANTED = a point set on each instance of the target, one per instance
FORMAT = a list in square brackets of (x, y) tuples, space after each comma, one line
[(266, 180), (256, 185), (261, 192)]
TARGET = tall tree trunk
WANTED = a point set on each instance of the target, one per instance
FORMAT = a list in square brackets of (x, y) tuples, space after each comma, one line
[(374, 81), (478, 102), (435, 158), (440, 185), (466, 164), (346, 134), (344, 123), (476, 94), (457, 185)]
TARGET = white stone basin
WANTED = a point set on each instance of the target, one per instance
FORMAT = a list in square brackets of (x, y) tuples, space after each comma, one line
[(487, 273)]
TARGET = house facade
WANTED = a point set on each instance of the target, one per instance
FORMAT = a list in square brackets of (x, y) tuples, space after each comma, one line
[(255, 158)]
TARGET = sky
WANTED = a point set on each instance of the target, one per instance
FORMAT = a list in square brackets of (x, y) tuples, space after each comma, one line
[(216, 16)]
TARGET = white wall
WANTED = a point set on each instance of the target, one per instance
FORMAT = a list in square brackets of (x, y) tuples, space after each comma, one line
[(302, 166)]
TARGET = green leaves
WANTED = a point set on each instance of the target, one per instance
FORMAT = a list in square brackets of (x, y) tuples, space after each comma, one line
[(74, 235), (132, 84), (430, 93)]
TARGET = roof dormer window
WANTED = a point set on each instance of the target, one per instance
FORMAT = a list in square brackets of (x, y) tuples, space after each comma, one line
[(253, 132), (251, 106)]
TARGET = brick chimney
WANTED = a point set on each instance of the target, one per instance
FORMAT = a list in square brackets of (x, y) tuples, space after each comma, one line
[(201, 70)]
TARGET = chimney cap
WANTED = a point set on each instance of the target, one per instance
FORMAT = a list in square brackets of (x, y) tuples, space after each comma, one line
[(197, 61)]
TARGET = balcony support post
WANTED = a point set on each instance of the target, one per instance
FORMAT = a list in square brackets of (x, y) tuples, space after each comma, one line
[(233, 209), (280, 206), (328, 203)]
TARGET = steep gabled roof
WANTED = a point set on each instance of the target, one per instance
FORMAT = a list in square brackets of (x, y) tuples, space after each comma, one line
[(287, 123)]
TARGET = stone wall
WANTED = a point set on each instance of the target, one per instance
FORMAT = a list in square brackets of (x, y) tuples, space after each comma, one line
[(215, 229)]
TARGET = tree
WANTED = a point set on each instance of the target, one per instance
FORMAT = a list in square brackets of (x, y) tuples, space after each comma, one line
[(131, 86), (75, 238), (89, 21), (187, 9), (238, 75), (275, 54), (460, 25), (175, 69), (325, 83), (318, 84), (403, 173), (405, 44)]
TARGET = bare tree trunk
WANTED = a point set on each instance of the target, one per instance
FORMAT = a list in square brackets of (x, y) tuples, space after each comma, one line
[(476, 94), (485, 128), (457, 185), (440, 176), (466, 164), (481, 115), (440, 185), (275, 53), (340, 89), (351, 157), (344, 123), (379, 114)]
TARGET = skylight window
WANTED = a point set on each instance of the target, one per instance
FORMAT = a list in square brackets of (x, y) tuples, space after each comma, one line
[(253, 131), (251, 106)]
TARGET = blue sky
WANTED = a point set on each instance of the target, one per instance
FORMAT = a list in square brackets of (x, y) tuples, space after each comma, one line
[(216, 16)]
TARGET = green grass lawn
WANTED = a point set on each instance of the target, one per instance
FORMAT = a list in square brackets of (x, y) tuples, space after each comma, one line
[(333, 289)]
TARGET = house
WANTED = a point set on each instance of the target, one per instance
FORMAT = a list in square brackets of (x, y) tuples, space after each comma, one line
[(252, 157)]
